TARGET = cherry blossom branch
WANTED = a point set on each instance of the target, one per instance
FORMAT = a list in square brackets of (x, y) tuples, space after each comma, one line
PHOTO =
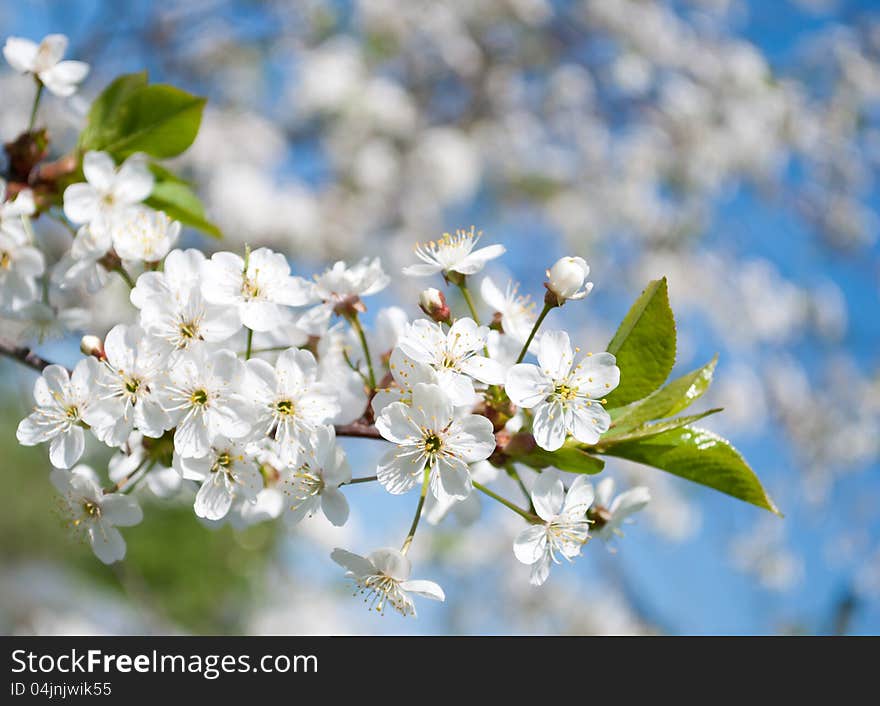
[(27, 357), (358, 430), (23, 355)]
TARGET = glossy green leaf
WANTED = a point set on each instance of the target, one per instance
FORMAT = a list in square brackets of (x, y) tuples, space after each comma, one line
[(644, 345), (572, 457), (160, 120), (179, 202), (643, 431), (667, 401), (100, 128), (699, 456)]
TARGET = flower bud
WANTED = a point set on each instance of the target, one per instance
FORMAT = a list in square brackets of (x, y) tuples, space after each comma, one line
[(92, 345), (567, 279), (433, 303)]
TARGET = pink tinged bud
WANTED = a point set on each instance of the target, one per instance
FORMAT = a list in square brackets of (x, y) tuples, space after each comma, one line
[(92, 345), (567, 279), (433, 303)]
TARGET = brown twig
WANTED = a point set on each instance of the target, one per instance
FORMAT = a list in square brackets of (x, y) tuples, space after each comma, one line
[(23, 355)]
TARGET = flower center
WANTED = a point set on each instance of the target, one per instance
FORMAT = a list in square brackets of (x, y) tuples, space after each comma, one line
[(565, 392), (250, 288), (223, 462), (5, 260), (379, 589), (72, 413), (188, 330), (132, 385), (199, 397), (91, 509), (284, 407), (433, 444)]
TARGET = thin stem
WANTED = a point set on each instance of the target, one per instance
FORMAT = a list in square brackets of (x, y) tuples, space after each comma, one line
[(356, 325), (415, 523), (250, 344), (469, 300), (538, 322), (365, 479), (37, 97), (125, 276), (525, 514), (522, 486)]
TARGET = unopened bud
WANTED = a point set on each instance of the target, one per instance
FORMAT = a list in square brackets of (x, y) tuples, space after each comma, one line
[(92, 345), (567, 279), (433, 303)]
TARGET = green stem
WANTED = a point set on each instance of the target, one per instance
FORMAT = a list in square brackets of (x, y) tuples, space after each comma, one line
[(525, 514), (125, 276), (37, 97), (538, 322), (415, 523), (522, 486), (469, 300), (250, 345), (356, 324), (365, 479)]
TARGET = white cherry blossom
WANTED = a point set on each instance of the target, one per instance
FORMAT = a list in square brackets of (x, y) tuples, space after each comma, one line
[(43, 60), (457, 355), (567, 279), (564, 398), (20, 261), (108, 191), (383, 579), (289, 400), (339, 287), (62, 400), (94, 513), (126, 388), (144, 235), (173, 310), (610, 512), (227, 472), (517, 312), (564, 529), (203, 396), (258, 289), (428, 434), (453, 253), (405, 373), (314, 483)]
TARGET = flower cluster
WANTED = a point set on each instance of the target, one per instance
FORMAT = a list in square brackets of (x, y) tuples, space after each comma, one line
[(237, 377)]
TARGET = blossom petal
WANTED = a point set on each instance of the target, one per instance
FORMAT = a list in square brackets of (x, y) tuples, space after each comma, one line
[(424, 588), (355, 563), (548, 496), (548, 426), (399, 471), (555, 355), (528, 547), (335, 506), (527, 385)]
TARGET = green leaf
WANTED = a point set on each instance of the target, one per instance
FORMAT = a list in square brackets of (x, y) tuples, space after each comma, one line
[(644, 345), (159, 120), (665, 402), (699, 456), (643, 431), (572, 457), (99, 129), (179, 202)]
